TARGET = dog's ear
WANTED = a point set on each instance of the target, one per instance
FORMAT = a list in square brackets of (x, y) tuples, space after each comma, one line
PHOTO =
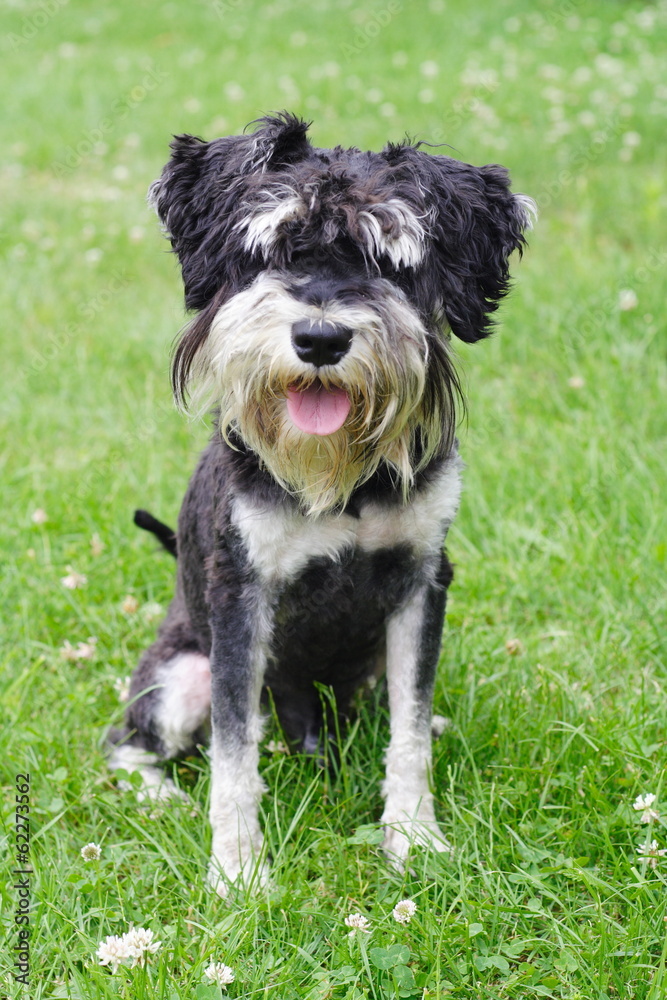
[(197, 168), (191, 198), (279, 141), (199, 197), (172, 194), (476, 223)]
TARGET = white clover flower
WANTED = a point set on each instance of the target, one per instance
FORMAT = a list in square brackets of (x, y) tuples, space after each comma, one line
[(122, 687), (439, 723), (582, 75), (234, 91), (129, 949), (643, 804), (96, 545), (151, 610), (113, 952), (130, 605), (429, 68), (91, 852), (651, 852), (139, 940), (404, 911), (587, 119), (39, 516), (358, 922), (83, 650), (86, 650), (219, 973), (73, 580), (627, 300)]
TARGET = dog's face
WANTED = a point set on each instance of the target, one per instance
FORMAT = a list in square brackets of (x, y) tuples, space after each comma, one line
[(326, 282)]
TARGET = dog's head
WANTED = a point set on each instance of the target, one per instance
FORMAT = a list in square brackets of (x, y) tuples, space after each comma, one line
[(326, 281)]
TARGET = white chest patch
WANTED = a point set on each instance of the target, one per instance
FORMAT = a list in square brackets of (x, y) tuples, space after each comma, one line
[(280, 543)]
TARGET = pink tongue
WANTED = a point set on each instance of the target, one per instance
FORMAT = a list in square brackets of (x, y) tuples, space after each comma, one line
[(317, 410)]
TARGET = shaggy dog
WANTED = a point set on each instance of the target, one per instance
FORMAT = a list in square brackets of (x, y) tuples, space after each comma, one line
[(311, 537)]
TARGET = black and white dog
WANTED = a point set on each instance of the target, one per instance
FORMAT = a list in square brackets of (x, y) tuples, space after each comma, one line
[(310, 541)]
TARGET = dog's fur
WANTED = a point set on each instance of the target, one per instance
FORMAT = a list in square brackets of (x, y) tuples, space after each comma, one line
[(309, 552)]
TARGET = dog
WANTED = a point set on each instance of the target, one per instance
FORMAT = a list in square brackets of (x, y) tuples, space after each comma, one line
[(326, 284)]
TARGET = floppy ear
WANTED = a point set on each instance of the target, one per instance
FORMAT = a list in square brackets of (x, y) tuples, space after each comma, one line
[(190, 199), (278, 142), (476, 224), (199, 197), (171, 194)]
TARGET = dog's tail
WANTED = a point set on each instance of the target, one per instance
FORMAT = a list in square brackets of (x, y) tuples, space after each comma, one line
[(162, 532)]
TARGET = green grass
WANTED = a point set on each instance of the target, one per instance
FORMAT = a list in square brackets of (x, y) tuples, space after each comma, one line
[(560, 543)]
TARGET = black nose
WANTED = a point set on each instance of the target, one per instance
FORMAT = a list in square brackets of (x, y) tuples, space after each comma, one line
[(320, 343)]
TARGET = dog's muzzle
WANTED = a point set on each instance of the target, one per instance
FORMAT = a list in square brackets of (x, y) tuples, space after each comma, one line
[(321, 343), (316, 409)]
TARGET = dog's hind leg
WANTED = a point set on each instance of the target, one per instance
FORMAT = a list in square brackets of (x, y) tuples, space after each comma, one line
[(169, 706)]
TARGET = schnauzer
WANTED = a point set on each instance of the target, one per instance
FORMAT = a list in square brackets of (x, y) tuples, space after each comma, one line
[(311, 537)]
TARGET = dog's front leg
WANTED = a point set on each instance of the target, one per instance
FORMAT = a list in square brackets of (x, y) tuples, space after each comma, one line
[(413, 645), (240, 626)]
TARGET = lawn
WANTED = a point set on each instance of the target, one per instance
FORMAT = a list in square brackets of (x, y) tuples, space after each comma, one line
[(554, 658)]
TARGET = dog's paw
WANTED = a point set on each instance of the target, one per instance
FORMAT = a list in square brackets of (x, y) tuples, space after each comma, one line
[(159, 789), (237, 862), (403, 834), (156, 786), (227, 875)]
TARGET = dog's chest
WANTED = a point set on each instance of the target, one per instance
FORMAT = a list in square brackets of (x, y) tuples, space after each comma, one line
[(281, 544), (331, 583)]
